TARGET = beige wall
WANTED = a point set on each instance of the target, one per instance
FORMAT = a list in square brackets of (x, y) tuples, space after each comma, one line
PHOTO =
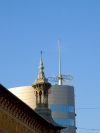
[(26, 94)]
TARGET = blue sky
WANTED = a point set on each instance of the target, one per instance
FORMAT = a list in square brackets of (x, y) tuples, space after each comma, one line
[(27, 27)]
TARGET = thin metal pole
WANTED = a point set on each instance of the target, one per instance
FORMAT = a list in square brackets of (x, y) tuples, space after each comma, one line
[(59, 59)]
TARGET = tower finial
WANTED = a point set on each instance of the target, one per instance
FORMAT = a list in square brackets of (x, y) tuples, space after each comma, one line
[(41, 67), (41, 53), (41, 76)]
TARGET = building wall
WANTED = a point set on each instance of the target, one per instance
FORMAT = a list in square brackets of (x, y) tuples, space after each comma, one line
[(9, 124), (61, 102), (26, 94)]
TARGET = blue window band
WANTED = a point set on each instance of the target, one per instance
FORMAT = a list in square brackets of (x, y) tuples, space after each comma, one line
[(65, 132), (64, 121), (61, 108)]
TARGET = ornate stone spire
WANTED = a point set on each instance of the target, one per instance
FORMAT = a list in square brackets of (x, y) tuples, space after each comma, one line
[(41, 86), (41, 76)]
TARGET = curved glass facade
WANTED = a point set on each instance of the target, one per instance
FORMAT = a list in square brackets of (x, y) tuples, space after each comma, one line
[(61, 108), (64, 121), (65, 132)]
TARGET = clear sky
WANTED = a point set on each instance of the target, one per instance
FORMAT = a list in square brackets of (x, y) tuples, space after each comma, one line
[(29, 26)]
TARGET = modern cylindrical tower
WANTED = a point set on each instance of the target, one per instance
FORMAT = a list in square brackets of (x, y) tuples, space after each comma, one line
[(62, 105)]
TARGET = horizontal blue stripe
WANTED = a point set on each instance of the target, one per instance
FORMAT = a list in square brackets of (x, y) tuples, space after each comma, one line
[(61, 108), (64, 121)]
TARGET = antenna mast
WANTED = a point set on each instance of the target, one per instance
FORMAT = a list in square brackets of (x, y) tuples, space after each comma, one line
[(59, 59), (60, 78)]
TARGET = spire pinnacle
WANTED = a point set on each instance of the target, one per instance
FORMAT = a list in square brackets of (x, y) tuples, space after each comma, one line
[(41, 76), (41, 53), (41, 67)]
